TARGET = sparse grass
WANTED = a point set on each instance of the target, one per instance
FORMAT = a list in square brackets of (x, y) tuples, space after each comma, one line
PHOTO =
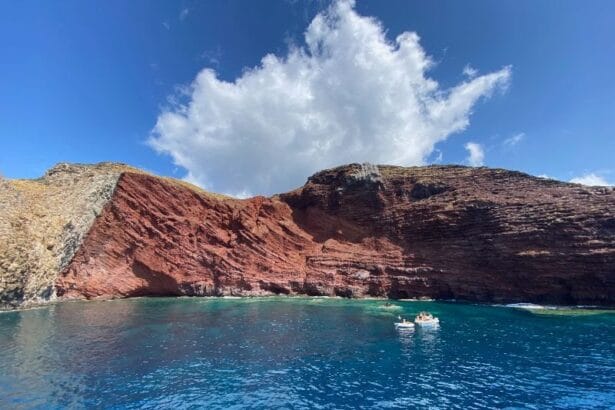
[(173, 181), (196, 189), (27, 185)]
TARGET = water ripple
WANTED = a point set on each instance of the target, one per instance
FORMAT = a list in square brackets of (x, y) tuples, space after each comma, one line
[(301, 353)]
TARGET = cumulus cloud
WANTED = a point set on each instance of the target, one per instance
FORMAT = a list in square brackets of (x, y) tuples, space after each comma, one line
[(591, 179), (514, 140), (476, 154), (348, 95)]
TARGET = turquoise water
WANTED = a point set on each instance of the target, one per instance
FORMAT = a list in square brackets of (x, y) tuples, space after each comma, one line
[(302, 353)]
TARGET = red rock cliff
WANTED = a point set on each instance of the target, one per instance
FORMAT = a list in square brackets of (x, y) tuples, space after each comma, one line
[(442, 232)]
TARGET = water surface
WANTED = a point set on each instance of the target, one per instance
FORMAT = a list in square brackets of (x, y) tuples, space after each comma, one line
[(302, 353)]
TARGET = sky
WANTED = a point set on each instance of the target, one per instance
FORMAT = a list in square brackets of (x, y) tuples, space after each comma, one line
[(249, 98)]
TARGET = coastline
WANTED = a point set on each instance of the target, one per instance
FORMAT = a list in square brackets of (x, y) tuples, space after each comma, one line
[(525, 306), (443, 232)]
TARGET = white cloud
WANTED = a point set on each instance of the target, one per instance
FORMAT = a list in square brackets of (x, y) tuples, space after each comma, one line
[(184, 13), (476, 154), (514, 140), (212, 56), (349, 95), (591, 179), (470, 71), (438, 157)]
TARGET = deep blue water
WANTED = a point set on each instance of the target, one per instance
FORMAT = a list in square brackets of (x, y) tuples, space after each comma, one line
[(302, 353)]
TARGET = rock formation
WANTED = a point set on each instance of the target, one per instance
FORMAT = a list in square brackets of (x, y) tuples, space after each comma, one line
[(42, 224), (446, 232)]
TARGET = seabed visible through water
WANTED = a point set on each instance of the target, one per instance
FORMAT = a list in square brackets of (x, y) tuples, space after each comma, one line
[(282, 352)]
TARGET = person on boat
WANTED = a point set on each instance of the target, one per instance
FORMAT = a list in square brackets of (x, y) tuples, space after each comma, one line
[(424, 316)]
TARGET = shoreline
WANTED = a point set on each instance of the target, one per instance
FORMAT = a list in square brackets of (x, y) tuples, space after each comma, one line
[(526, 306)]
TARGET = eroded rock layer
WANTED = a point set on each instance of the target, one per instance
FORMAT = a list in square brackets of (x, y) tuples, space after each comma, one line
[(42, 224), (441, 232)]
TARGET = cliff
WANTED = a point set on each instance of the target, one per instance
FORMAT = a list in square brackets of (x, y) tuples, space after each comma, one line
[(42, 224), (446, 232)]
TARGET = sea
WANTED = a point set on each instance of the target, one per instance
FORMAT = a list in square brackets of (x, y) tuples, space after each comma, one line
[(304, 353)]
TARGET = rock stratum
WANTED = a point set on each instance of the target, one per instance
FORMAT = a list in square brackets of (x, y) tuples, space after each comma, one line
[(360, 230)]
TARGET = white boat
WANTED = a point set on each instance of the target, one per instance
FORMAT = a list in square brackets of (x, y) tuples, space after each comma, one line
[(426, 319), (390, 306), (404, 324)]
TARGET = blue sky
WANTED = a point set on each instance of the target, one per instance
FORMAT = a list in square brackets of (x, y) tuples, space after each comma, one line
[(88, 81)]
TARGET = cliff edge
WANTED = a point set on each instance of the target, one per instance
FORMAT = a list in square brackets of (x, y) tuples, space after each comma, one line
[(446, 232)]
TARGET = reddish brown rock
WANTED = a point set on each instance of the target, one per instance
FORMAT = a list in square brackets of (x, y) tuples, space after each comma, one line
[(442, 232)]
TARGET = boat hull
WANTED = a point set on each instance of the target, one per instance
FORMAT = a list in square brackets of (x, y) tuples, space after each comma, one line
[(427, 323)]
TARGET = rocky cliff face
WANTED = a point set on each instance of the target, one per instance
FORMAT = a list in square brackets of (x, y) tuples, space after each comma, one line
[(359, 230), (42, 224)]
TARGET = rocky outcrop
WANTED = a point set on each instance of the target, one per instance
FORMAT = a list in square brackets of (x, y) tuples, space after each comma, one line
[(478, 234), (42, 224), (445, 232)]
